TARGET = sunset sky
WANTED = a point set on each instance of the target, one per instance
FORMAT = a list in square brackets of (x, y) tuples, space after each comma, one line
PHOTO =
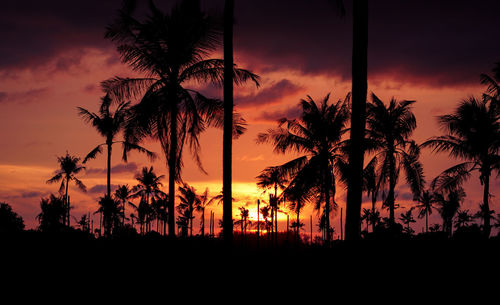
[(53, 56)]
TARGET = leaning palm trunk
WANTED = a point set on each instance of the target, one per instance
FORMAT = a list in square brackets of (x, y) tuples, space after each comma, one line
[(228, 122), (358, 119)]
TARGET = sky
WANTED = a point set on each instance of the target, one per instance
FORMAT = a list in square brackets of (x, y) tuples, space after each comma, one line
[(53, 56)]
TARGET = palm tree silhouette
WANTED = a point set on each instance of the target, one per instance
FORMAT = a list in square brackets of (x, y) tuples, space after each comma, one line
[(389, 131), (159, 206), (243, 222), (108, 125), (272, 177), (493, 90), (407, 219), (449, 204), (473, 130), (52, 215), (318, 135), (147, 189), (69, 167), (188, 201), (371, 185), (425, 205), (111, 212), (464, 218), (200, 206), (123, 193), (171, 50)]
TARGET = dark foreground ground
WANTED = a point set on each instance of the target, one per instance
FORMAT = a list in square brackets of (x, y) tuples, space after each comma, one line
[(205, 268)]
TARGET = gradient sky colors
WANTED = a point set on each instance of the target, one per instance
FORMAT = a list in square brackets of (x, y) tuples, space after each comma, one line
[(53, 57)]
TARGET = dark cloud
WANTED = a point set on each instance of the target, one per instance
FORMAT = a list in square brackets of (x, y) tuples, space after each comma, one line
[(273, 116), (28, 96), (267, 95), (101, 189), (438, 43), (31, 194), (34, 32), (130, 167)]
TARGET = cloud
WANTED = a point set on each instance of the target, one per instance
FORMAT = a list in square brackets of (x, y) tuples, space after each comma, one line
[(24, 97), (273, 116), (433, 43), (273, 93), (101, 188), (437, 43), (117, 169)]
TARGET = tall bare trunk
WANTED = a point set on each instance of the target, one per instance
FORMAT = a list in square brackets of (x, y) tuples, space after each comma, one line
[(392, 186), (486, 195), (172, 164), (108, 176), (228, 123), (358, 118)]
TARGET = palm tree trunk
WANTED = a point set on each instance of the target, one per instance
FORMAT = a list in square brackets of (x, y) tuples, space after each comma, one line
[(298, 227), (486, 195), (228, 123), (392, 186), (276, 214), (327, 205), (203, 222), (108, 176), (426, 221), (258, 222), (172, 169), (358, 118), (374, 201), (66, 222)]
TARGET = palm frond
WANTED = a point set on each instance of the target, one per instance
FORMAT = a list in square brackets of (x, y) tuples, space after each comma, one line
[(93, 153)]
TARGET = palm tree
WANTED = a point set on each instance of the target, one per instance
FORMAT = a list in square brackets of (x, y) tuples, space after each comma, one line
[(69, 167), (172, 50), (147, 189), (371, 185), (464, 218), (317, 135), (243, 222), (449, 206), (111, 211), (358, 117), (366, 216), (407, 219), (272, 177), (389, 131), (296, 203), (123, 193), (52, 215), (159, 207), (108, 125), (425, 205), (188, 200), (473, 133), (200, 206), (493, 91)]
